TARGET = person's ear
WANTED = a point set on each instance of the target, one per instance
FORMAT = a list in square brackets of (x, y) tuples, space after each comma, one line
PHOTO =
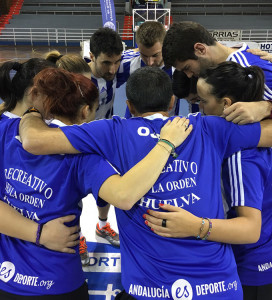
[(227, 102), (92, 57), (85, 112), (200, 49), (172, 102), (131, 108)]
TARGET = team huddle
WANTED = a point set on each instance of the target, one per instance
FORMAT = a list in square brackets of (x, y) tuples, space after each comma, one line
[(192, 195)]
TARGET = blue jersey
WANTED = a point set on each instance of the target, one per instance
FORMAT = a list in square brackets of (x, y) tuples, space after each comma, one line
[(246, 59), (43, 188), (247, 177), (154, 267)]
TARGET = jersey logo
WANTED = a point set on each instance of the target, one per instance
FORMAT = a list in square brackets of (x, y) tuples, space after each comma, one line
[(182, 290), (7, 270), (103, 90)]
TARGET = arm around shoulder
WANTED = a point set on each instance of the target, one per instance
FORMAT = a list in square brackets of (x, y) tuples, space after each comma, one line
[(37, 138)]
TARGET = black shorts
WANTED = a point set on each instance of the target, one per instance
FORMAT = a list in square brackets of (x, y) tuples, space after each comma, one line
[(124, 296), (262, 292), (79, 294)]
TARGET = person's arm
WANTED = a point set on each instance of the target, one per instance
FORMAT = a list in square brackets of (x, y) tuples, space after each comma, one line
[(37, 138), (55, 234), (263, 54), (266, 134), (248, 112), (244, 229), (120, 191)]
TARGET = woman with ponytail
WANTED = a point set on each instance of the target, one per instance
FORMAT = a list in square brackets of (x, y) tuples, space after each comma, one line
[(247, 175), (76, 64), (15, 92), (70, 62), (247, 178)]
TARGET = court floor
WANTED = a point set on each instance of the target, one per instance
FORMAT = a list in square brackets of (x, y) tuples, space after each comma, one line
[(22, 53)]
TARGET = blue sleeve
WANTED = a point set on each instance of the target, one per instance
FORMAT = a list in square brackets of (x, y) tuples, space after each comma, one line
[(244, 177), (91, 172), (229, 138), (95, 137)]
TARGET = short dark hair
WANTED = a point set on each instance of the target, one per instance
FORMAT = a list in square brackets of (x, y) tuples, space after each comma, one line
[(182, 85), (178, 44), (106, 40), (149, 89), (230, 79), (149, 33)]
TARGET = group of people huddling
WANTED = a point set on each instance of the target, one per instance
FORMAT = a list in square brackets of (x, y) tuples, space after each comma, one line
[(183, 235)]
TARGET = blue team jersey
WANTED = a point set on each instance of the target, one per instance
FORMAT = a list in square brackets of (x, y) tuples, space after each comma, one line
[(247, 177), (246, 59), (154, 267), (43, 188)]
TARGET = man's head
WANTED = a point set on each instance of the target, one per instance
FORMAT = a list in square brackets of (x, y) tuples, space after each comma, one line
[(149, 89), (105, 51), (149, 38), (185, 47)]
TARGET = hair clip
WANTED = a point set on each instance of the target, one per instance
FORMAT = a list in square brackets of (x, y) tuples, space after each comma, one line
[(80, 91)]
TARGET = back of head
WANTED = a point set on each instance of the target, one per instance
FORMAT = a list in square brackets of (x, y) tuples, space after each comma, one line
[(182, 85), (12, 90), (64, 92), (180, 40), (70, 62), (230, 79), (106, 40), (149, 89), (149, 33)]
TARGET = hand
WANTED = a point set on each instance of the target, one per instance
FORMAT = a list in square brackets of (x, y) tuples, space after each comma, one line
[(247, 112), (179, 222), (176, 131), (263, 54), (59, 237)]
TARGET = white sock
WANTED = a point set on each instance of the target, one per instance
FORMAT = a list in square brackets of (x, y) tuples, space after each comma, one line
[(102, 223)]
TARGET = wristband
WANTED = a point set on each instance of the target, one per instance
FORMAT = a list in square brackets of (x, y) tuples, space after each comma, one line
[(30, 110), (173, 152), (209, 231), (38, 234)]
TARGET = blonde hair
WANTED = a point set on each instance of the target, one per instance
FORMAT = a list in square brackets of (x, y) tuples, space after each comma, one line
[(70, 62)]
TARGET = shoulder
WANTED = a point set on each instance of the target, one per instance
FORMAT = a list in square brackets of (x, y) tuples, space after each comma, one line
[(129, 55)]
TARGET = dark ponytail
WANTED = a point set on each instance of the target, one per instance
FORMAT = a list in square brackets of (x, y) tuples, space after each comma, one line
[(7, 92), (254, 78), (12, 90), (230, 79)]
